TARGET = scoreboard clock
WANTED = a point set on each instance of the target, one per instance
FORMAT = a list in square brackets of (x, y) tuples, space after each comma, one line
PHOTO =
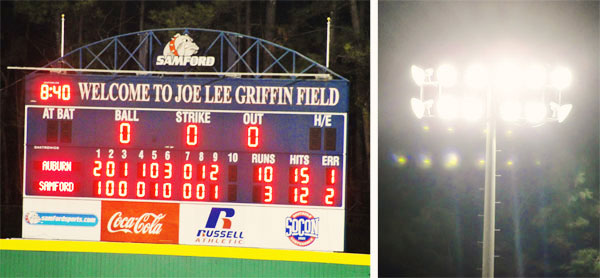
[(212, 161)]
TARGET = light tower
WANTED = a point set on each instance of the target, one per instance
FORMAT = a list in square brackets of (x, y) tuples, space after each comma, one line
[(518, 93)]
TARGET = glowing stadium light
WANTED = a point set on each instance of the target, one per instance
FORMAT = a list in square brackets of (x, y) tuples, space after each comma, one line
[(417, 107), (507, 76), (560, 78), (446, 75), (535, 112), (447, 107), (418, 75), (510, 111), (536, 77), (476, 77), (420, 107), (401, 159), (451, 161), (425, 161), (500, 84), (472, 109), (560, 112)]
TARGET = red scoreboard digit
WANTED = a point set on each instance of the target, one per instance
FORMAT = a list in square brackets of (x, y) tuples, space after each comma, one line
[(131, 144)]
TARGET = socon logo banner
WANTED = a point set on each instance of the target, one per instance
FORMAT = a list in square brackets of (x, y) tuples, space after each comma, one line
[(302, 228), (140, 222)]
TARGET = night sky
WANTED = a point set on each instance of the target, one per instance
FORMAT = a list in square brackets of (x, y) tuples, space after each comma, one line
[(428, 217)]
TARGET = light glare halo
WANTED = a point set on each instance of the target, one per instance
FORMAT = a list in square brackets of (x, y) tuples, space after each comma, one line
[(535, 112), (425, 161), (451, 161), (536, 77), (510, 111), (446, 75), (561, 78), (507, 77), (447, 107), (472, 109), (476, 77)]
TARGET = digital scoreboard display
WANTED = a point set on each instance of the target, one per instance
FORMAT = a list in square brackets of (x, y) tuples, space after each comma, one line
[(223, 147)]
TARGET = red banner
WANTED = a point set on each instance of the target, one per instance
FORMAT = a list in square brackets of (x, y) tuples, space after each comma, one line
[(140, 222)]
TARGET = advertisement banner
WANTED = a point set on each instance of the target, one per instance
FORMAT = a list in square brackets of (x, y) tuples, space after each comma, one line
[(140, 222), (61, 219), (262, 227)]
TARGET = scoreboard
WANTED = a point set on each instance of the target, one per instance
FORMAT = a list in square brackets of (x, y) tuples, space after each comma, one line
[(211, 161)]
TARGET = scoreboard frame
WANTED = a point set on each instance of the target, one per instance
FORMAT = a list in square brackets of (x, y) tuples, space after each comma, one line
[(295, 213)]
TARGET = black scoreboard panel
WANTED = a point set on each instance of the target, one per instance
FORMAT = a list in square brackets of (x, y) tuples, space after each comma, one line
[(280, 142)]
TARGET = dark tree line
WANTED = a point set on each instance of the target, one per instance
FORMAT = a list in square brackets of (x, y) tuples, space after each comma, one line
[(31, 37), (547, 214)]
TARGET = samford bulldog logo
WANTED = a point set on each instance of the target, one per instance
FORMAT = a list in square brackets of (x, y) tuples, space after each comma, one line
[(179, 51)]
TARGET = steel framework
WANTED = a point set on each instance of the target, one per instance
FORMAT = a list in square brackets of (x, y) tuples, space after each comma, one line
[(235, 55)]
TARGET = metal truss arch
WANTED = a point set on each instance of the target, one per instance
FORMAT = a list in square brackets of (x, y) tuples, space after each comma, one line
[(233, 53)]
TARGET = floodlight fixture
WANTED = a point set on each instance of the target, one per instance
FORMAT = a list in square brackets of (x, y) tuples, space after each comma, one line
[(476, 77), (560, 78), (536, 77), (560, 112), (446, 75), (510, 111), (447, 107), (418, 75), (420, 107), (535, 112)]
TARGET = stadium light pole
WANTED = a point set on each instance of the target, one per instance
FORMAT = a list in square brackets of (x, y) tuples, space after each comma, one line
[(489, 201), (506, 77)]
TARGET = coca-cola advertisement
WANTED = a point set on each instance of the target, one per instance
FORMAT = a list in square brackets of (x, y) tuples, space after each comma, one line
[(140, 222)]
